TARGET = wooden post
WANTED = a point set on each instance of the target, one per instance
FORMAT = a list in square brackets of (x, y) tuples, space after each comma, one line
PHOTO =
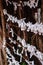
[(3, 32), (1, 63)]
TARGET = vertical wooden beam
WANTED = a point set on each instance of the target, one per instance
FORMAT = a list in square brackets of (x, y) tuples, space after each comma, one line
[(3, 28), (1, 63)]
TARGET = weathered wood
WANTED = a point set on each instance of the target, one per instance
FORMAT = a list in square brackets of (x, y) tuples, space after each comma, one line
[(1, 63), (3, 31)]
